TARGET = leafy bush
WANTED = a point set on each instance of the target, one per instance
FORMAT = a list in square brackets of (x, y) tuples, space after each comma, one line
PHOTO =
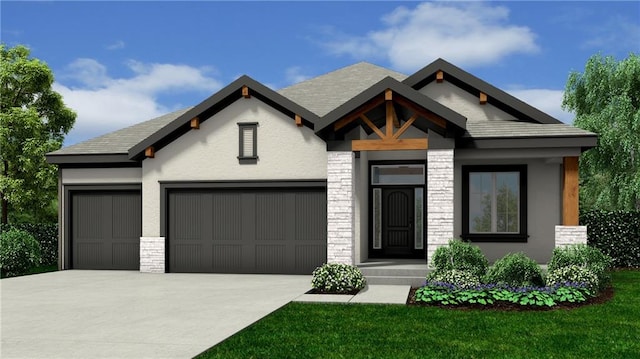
[(515, 269), (461, 256), (585, 256), (19, 252), (574, 274), (455, 277), (45, 233), (337, 278), (616, 233)]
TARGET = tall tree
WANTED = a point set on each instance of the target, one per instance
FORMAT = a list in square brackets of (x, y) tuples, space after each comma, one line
[(606, 100), (33, 121)]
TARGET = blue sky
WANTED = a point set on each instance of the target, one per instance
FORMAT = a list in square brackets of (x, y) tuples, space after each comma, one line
[(119, 63)]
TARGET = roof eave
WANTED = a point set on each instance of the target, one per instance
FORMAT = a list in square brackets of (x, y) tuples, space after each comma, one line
[(216, 103), (427, 74), (585, 142), (92, 160)]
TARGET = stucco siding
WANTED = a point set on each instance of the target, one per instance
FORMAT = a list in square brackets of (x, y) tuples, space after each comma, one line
[(101, 175), (285, 151), (463, 102), (544, 193)]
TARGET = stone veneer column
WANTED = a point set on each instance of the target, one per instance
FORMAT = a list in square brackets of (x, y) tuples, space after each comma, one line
[(567, 235), (340, 208), (439, 199), (152, 255)]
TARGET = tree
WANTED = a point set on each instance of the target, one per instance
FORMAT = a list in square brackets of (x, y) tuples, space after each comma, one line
[(33, 121), (606, 100)]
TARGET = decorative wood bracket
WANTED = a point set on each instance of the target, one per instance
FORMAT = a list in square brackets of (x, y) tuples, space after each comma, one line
[(439, 76), (245, 92), (195, 123), (483, 98), (298, 120), (149, 152)]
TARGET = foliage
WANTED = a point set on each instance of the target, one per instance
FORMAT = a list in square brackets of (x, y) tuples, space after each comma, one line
[(606, 100), (582, 255), (33, 121), (490, 294), (515, 269), (456, 277), (574, 274), (338, 278), (45, 233), (461, 256), (616, 234), (19, 252)]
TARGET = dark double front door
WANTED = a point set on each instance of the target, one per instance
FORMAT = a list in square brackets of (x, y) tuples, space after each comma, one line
[(398, 221)]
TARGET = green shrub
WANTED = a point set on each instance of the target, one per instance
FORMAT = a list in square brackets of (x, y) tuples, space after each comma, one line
[(515, 269), (337, 278), (461, 256), (573, 274), (616, 233), (585, 256), (45, 233), (19, 252), (456, 277)]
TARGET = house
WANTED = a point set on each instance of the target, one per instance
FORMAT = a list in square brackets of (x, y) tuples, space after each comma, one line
[(357, 164)]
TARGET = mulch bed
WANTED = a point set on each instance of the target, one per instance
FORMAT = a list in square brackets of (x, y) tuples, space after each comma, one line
[(318, 291), (604, 297)]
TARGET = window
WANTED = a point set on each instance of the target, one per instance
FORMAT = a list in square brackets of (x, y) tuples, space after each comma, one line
[(494, 203), (397, 174), (248, 142)]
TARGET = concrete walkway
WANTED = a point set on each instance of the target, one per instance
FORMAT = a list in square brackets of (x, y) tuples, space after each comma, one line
[(371, 294), (127, 314)]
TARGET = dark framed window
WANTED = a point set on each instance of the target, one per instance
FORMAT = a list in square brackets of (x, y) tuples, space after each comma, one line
[(494, 203), (248, 140)]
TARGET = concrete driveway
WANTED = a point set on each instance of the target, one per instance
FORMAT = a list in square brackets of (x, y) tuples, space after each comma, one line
[(124, 314)]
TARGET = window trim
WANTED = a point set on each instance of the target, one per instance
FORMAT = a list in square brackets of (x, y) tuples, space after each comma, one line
[(247, 159), (522, 235)]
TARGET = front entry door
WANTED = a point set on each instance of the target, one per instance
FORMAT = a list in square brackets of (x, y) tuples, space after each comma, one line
[(397, 221)]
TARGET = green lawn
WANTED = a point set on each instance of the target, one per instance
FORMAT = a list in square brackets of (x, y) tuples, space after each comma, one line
[(302, 330)]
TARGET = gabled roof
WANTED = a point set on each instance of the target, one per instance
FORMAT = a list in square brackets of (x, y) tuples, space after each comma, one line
[(474, 86), (215, 104), (325, 93), (398, 88)]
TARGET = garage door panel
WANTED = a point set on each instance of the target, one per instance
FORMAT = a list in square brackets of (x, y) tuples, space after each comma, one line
[(106, 229), (313, 207), (251, 231), (308, 256)]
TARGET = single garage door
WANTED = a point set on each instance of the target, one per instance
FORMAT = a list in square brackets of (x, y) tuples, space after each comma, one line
[(247, 231), (106, 229)]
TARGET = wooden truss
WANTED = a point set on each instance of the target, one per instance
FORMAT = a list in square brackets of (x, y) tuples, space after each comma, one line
[(389, 140)]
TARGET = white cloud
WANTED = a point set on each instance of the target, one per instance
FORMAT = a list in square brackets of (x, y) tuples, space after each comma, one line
[(116, 45), (294, 75), (545, 100), (467, 34), (615, 33), (105, 104)]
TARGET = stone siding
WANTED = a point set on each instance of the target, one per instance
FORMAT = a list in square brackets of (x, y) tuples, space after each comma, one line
[(440, 202), (152, 255), (340, 208), (567, 235)]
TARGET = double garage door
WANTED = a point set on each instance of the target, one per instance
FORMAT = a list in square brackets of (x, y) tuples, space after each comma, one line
[(247, 231), (273, 230)]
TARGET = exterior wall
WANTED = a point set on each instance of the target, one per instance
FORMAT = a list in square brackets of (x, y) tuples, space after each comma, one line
[(101, 175), (463, 102), (544, 201), (285, 152), (340, 208), (568, 235), (440, 199)]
